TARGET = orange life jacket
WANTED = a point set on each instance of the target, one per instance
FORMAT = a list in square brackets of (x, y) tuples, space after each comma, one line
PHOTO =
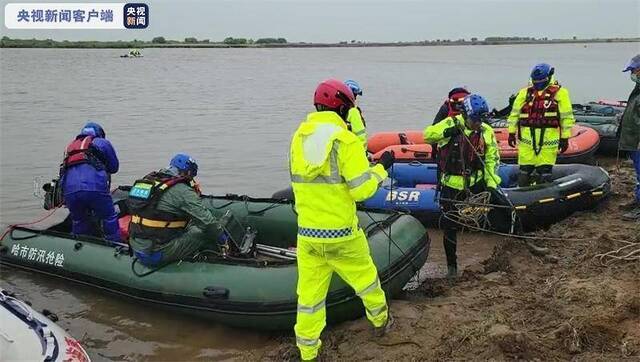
[(78, 151)]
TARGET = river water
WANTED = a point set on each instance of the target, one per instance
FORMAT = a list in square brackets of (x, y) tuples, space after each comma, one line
[(234, 111)]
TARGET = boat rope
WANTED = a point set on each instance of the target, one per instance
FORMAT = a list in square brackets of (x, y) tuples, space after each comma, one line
[(141, 275), (13, 226), (534, 237), (628, 252), (474, 209), (514, 216), (392, 241), (247, 199)]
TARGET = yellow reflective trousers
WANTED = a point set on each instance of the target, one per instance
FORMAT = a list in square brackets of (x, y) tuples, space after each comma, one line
[(316, 263)]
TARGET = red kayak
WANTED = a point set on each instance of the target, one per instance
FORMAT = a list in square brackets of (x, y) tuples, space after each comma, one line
[(409, 146)]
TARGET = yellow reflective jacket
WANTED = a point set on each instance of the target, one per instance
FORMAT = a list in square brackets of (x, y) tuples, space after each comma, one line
[(329, 174), (551, 135), (435, 134), (354, 117)]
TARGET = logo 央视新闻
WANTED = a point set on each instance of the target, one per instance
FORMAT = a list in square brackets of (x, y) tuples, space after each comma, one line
[(136, 15)]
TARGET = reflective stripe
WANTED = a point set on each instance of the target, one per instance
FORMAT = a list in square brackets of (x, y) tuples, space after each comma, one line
[(371, 287), (378, 177), (361, 132), (544, 143), (377, 311), (546, 114), (311, 310), (325, 233), (307, 342), (366, 176), (566, 114), (332, 179)]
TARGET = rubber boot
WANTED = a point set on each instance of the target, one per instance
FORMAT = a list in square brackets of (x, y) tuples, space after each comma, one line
[(523, 179), (380, 332), (535, 178), (546, 177), (452, 272)]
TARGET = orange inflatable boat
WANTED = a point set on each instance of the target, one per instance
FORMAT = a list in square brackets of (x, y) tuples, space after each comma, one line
[(409, 146)]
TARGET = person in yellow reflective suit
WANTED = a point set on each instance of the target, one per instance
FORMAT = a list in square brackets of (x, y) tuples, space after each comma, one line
[(329, 174), (354, 117), (468, 159), (542, 116)]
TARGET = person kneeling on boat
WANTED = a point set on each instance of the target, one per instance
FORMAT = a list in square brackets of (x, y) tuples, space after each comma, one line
[(469, 158), (542, 115), (169, 220), (329, 174), (85, 176)]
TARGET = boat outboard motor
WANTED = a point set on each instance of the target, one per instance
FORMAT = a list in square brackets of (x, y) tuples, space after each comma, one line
[(52, 194), (236, 236)]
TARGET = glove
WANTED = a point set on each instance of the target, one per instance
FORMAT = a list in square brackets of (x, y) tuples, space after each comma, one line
[(387, 159), (563, 145), (493, 113), (512, 140), (451, 131)]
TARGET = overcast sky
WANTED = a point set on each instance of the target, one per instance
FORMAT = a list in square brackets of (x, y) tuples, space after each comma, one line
[(369, 20)]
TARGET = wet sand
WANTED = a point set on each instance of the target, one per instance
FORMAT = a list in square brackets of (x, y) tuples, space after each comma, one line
[(510, 303)]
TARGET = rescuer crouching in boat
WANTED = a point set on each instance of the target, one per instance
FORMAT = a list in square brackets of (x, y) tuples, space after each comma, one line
[(169, 220)]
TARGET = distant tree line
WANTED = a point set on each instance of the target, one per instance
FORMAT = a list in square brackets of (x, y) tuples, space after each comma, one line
[(161, 41), (231, 40), (7, 42)]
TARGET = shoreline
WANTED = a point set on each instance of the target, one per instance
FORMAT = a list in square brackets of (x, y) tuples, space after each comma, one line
[(48, 43)]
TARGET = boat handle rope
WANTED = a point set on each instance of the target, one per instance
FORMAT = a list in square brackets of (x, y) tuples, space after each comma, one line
[(11, 227), (142, 275), (391, 240)]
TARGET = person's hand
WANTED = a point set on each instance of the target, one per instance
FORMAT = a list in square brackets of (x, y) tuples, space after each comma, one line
[(563, 145), (493, 113), (452, 131), (387, 159), (512, 140)]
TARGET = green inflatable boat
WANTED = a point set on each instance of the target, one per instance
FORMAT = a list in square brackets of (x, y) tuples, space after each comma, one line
[(605, 120), (257, 292)]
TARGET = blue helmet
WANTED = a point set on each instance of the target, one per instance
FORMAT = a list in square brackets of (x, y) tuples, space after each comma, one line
[(475, 107), (93, 129), (354, 86), (633, 65), (541, 75), (185, 163)]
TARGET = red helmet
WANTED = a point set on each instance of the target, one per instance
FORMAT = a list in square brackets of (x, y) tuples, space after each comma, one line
[(333, 94)]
